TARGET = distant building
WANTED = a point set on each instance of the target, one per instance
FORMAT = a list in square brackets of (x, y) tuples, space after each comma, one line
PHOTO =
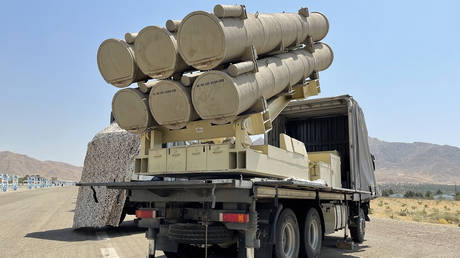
[(444, 197), (396, 195)]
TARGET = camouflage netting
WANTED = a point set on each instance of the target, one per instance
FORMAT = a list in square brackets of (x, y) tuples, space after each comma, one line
[(109, 158)]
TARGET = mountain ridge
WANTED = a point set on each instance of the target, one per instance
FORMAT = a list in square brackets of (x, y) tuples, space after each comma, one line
[(20, 164), (417, 162), (396, 162)]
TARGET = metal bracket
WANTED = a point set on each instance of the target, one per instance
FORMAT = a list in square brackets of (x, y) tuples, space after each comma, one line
[(213, 197), (309, 44), (318, 201), (314, 75), (244, 14), (304, 12), (276, 197)]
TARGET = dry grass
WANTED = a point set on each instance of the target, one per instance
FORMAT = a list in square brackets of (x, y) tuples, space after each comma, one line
[(431, 211)]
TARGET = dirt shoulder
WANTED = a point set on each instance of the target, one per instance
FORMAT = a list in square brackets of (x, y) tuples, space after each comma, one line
[(392, 238), (419, 210)]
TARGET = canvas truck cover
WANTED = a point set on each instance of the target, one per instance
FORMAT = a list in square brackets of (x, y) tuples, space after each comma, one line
[(336, 115)]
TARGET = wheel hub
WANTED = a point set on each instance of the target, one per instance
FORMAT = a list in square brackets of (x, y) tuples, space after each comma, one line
[(313, 234), (288, 239)]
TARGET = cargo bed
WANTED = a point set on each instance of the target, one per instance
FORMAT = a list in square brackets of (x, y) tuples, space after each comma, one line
[(261, 188)]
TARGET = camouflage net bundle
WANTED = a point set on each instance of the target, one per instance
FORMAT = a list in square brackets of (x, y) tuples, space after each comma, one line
[(109, 158)]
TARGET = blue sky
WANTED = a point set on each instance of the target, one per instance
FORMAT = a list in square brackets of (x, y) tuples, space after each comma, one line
[(399, 59)]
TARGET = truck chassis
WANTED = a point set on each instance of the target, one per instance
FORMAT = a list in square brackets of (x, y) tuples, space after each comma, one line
[(241, 217)]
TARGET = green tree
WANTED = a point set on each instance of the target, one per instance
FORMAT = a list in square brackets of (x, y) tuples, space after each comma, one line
[(409, 194), (429, 195), (387, 192), (439, 192)]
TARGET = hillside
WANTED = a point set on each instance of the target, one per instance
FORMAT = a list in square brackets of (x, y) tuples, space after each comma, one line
[(19, 164), (416, 162), (395, 162)]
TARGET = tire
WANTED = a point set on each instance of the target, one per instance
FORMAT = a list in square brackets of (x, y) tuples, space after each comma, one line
[(358, 232), (312, 234), (287, 236)]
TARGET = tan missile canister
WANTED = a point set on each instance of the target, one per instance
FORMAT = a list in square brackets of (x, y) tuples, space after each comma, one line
[(207, 40), (117, 63), (217, 95), (156, 53), (131, 110), (171, 104)]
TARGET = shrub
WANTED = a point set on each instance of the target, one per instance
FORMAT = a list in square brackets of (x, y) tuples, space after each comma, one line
[(409, 194), (403, 212), (387, 192), (443, 221), (429, 195)]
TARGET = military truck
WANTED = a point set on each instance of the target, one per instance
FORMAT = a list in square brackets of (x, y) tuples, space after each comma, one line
[(218, 213), (209, 85)]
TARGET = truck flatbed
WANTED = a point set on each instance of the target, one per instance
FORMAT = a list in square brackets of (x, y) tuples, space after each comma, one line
[(261, 188)]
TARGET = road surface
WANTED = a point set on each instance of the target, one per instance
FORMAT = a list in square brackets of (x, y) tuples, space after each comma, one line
[(38, 224)]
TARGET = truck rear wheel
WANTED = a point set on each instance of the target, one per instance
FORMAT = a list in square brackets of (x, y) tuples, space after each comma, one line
[(357, 232), (312, 234), (287, 236)]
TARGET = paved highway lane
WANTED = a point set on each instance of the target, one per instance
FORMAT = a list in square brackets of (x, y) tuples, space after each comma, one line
[(38, 223)]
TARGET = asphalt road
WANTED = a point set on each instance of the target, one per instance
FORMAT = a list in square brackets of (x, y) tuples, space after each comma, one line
[(38, 223)]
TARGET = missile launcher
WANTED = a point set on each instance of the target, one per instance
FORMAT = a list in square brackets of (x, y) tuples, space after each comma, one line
[(208, 82)]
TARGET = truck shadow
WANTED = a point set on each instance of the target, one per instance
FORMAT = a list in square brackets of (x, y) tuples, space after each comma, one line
[(88, 234), (329, 248), (129, 228)]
